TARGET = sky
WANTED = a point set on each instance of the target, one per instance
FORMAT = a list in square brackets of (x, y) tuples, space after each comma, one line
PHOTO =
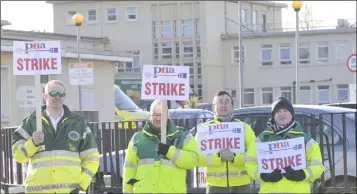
[(39, 15)]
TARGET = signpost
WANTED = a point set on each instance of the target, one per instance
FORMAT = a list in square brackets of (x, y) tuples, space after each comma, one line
[(165, 83), (352, 66), (81, 73), (37, 58)]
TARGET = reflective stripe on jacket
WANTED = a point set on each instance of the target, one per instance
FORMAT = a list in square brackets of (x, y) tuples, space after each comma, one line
[(68, 158), (217, 170), (314, 163), (155, 173)]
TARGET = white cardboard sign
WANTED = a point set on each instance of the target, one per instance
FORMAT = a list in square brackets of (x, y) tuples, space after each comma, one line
[(214, 137), (81, 73), (165, 82), (37, 58), (280, 154)]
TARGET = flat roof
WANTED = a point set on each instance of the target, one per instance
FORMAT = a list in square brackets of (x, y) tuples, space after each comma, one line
[(8, 32)]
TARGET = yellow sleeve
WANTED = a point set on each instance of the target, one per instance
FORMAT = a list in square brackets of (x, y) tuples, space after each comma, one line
[(89, 158), (314, 166), (130, 167), (187, 157), (249, 139), (252, 165), (209, 160), (23, 147)]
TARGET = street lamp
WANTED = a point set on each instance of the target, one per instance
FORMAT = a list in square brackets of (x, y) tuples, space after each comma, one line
[(78, 21), (297, 6)]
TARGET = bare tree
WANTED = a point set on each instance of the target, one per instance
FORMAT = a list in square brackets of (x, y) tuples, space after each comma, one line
[(306, 22)]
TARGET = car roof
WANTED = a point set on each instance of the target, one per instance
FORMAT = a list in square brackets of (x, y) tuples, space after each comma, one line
[(189, 110), (298, 108)]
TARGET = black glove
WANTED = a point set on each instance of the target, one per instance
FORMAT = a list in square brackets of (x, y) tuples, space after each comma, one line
[(132, 181), (75, 191), (294, 175), (163, 148), (273, 177)]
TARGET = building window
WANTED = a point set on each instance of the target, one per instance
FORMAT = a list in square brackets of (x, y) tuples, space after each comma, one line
[(136, 62), (249, 97), (156, 51), (266, 54), (304, 53), (286, 92), (187, 49), (199, 91), (342, 93), (244, 16), (198, 47), (191, 69), (166, 29), (187, 28), (177, 24), (285, 54), (130, 14), (154, 29), (166, 50), (177, 50), (199, 72), (341, 51), (323, 95), (235, 55), (234, 93), (322, 52), (197, 27), (125, 67), (267, 95), (254, 20), (111, 15), (70, 14), (5, 94), (305, 95), (92, 16)]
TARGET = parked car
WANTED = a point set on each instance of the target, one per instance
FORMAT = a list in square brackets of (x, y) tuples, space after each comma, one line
[(332, 124), (350, 105), (204, 106), (189, 117)]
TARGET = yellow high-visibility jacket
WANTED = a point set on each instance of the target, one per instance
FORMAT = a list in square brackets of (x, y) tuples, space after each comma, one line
[(156, 173), (217, 170), (68, 158), (313, 170)]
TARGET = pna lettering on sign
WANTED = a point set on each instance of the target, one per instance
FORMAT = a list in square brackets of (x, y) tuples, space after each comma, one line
[(31, 63), (220, 143), (166, 89)]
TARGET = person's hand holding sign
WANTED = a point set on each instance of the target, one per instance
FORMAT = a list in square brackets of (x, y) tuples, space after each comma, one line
[(37, 137), (274, 176), (294, 175), (226, 155)]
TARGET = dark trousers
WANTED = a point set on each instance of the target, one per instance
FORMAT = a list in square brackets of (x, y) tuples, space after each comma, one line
[(236, 189)]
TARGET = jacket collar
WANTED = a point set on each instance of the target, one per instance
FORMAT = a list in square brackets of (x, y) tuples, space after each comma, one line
[(171, 129)]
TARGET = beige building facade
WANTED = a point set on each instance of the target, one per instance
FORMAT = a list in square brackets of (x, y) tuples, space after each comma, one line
[(203, 36), (97, 98)]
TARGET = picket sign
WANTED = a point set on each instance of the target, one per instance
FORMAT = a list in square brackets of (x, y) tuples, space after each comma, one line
[(37, 58), (280, 154), (160, 82)]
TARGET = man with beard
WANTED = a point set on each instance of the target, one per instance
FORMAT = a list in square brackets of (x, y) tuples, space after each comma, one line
[(63, 157)]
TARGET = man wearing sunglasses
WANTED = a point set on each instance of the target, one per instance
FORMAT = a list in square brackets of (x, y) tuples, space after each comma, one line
[(62, 158)]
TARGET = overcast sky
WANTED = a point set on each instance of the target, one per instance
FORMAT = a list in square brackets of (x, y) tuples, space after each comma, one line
[(37, 15)]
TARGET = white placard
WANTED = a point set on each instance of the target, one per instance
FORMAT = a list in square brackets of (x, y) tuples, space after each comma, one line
[(165, 82), (81, 73), (26, 96), (214, 137), (37, 58), (351, 63), (200, 177), (280, 154)]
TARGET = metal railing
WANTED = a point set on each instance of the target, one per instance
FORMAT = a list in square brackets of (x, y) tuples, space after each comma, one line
[(337, 143)]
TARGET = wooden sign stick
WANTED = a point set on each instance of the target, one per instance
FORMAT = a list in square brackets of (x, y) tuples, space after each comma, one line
[(39, 102), (163, 121)]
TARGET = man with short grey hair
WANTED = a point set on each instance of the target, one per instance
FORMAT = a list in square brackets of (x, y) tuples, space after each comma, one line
[(63, 157)]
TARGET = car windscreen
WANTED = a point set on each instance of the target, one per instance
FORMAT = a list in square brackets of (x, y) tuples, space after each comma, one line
[(122, 101)]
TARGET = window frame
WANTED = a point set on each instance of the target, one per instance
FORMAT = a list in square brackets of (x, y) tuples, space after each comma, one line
[(107, 15), (286, 90), (187, 55), (339, 88), (302, 89), (343, 59), (323, 90), (318, 46), (183, 25), (127, 14), (285, 61), (96, 16), (248, 91), (166, 54), (197, 27), (169, 26), (9, 95), (267, 62), (235, 61), (69, 19), (304, 45), (267, 92)]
